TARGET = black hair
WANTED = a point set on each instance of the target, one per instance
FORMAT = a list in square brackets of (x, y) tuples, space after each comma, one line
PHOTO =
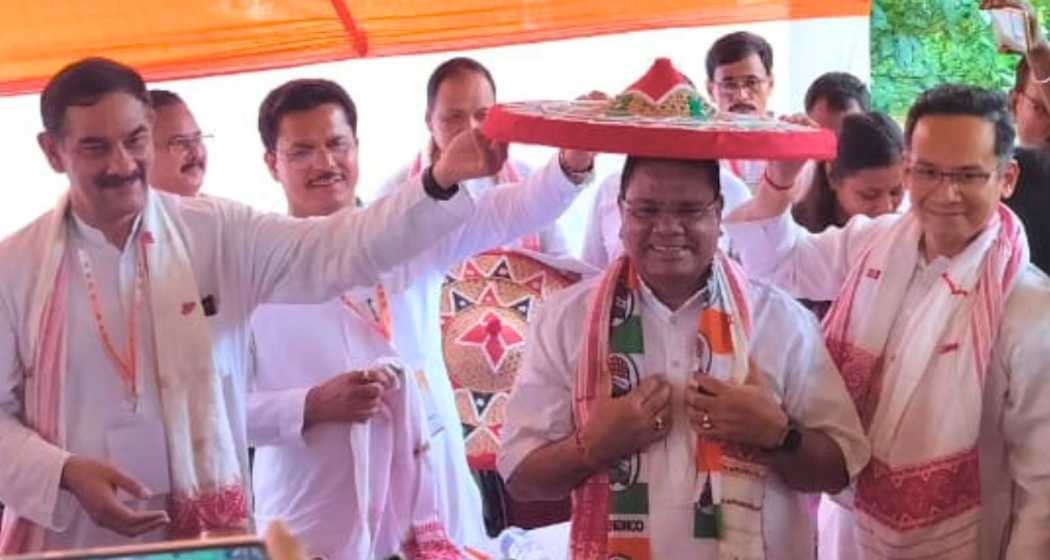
[(1021, 75), (837, 89), (160, 98), (301, 95), (451, 68), (709, 167), (735, 47), (957, 99), (865, 141), (84, 83)]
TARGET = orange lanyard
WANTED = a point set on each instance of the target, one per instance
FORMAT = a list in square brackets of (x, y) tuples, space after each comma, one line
[(126, 363), (378, 314)]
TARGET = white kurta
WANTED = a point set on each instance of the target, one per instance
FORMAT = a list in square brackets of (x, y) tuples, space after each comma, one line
[(241, 258), (415, 307), (601, 240), (786, 344), (1015, 419), (317, 481), (552, 239)]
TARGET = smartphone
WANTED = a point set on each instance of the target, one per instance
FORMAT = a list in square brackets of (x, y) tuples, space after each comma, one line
[(226, 548), (1011, 29)]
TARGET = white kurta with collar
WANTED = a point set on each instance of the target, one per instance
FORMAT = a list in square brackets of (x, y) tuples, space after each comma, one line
[(1015, 415), (240, 258), (786, 344)]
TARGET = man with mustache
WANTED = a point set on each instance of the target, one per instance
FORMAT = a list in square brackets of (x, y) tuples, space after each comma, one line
[(317, 406), (181, 158), (740, 80), (124, 322)]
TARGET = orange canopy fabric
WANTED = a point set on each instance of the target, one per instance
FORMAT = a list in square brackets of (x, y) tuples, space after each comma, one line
[(190, 38)]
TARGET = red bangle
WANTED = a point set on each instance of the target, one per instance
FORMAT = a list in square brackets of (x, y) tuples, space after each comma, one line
[(769, 181)]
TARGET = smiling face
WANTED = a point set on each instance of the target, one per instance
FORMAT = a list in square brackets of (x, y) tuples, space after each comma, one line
[(671, 216), (954, 211), (104, 149), (315, 160), (180, 155)]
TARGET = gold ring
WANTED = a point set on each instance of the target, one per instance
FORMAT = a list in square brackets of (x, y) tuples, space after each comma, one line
[(705, 422), (659, 426)]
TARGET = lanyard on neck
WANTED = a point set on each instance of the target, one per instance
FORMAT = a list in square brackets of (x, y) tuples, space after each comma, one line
[(126, 363), (378, 315)]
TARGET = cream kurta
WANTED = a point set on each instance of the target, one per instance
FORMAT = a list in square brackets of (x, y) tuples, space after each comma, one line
[(786, 344), (240, 258), (1015, 415)]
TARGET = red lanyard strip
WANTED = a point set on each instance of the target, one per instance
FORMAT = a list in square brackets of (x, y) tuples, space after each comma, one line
[(378, 314), (126, 364)]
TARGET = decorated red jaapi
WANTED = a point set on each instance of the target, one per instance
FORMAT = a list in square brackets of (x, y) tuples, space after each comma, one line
[(660, 115)]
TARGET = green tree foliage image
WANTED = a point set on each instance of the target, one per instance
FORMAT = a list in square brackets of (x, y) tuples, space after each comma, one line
[(917, 44)]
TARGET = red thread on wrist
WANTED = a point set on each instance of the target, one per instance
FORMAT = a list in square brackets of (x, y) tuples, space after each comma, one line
[(778, 187), (582, 451)]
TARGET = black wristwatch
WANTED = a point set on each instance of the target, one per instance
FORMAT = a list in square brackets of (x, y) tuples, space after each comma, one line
[(433, 189), (791, 441)]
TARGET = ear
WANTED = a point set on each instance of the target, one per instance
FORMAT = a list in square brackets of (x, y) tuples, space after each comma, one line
[(772, 81), (427, 117), (270, 158), (49, 145), (711, 90), (1009, 179)]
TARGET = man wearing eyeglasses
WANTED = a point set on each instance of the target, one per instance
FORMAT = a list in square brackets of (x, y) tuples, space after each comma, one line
[(181, 158), (686, 409), (939, 327), (740, 80), (317, 408)]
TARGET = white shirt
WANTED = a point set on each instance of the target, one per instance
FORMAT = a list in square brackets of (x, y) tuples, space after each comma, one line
[(298, 347), (415, 306), (786, 344), (601, 241), (241, 258), (1015, 420), (552, 239)]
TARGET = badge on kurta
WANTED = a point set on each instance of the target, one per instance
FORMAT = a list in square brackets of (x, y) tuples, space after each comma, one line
[(486, 303)]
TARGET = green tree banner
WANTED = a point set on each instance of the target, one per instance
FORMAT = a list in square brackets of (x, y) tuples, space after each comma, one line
[(917, 44)]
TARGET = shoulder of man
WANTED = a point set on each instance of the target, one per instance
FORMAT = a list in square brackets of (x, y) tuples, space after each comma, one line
[(1027, 309)]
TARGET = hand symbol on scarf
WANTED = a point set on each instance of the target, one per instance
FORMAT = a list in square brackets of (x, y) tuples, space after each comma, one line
[(747, 414), (349, 397), (629, 424), (95, 486)]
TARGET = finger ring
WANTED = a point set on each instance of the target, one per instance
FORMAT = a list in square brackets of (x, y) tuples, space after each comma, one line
[(659, 425), (705, 422)]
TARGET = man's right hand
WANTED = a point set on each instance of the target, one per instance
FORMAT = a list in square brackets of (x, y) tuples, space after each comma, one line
[(629, 424), (354, 396), (95, 486), (469, 155)]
